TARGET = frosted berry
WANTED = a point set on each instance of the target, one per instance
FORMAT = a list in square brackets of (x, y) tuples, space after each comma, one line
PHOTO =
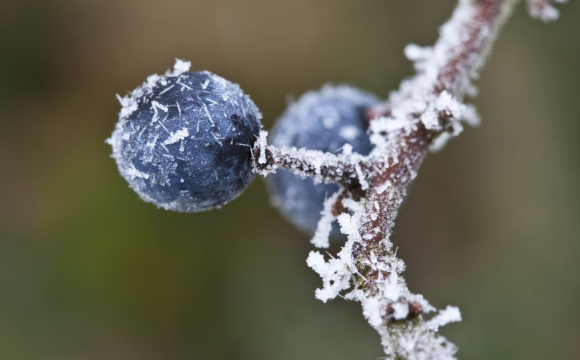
[(322, 120), (183, 140)]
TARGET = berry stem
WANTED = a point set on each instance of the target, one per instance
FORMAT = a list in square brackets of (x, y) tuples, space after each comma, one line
[(325, 167)]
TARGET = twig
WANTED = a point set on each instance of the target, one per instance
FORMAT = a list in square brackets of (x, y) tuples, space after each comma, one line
[(323, 167)]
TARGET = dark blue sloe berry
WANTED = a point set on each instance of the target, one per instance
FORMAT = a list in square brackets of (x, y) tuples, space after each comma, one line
[(183, 140), (324, 120)]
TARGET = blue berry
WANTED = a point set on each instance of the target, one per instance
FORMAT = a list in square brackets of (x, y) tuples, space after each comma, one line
[(324, 120), (183, 140)]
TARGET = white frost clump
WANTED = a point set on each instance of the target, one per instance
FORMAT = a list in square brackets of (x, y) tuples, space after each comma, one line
[(134, 173), (129, 102), (322, 234), (544, 10), (416, 100), (392, 301), (440, 141), (128, 105), (400, 311), (373, 311), (176, 136), (180, 67), (335, 275), (449, 315), (262, 143)]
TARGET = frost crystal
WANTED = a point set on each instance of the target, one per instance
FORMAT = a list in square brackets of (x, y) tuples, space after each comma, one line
[(544, 10), (322, 234), (449, 315), (262, 142), (182, 66), (176, 136), (335, 275)]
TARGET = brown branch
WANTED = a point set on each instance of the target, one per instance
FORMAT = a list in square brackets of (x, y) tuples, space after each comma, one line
[(419, 112)]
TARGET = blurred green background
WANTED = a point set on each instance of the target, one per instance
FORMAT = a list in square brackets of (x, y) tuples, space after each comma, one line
[(89, 271)]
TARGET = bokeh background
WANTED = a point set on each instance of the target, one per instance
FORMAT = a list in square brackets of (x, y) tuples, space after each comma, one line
[(89, 271)]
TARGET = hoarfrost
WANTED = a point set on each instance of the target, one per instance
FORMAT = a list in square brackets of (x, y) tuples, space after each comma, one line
[(417, 103), (372, 311), (322, 234), (347, 149), (416, 100), (262, 142), (177, 136), (544, 10), (338, 275), (180, 67), (134, 173), (155, 106), (439, 142), (335, 275), (400, 310), (449, 315), (128, 106)]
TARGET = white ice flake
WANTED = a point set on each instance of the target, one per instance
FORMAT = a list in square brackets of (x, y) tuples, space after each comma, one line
[(180, 67), (392, 291), (449, 315), (430, 119), (400, 310), (372, 311), (176, 136), (440, 141), (322, 234), (128, 106), (155, 106), (544, 10), (134, 173), (262, 142), (334, 273), (447, 104)]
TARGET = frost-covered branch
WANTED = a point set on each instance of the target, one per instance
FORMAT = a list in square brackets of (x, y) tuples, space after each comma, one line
[(422, 115), (429, 104), (426, 108)]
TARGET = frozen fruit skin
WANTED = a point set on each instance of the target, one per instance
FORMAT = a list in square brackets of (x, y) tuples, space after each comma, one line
[(322, 120), (183, 140)]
